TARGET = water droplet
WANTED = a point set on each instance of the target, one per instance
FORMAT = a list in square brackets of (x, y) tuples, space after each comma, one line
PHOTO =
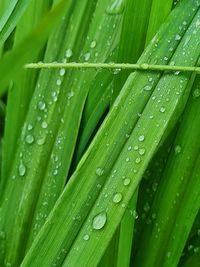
[(177, 37), (135, 214), (41, 105), (196, 93), (117, 197), (138, 160), (197, 23), (147, 88), (129, 148), (87, 56), (168, 255), (136, 147), (69, 53), (62, 72), (86, 237), (116, 71), (29, 139), (44, 125), (190, 247), (70, 95), (93, 44), (127, 181), (177, 73), (22, 169), (29, 127), (41, 141), (142, 151), (116, 7), (59, 82), (55, 172), (177, 149), (99, 171), (146, 207), (162, 109), (54, 96), (141, 138), (99, 221), (154, 186)]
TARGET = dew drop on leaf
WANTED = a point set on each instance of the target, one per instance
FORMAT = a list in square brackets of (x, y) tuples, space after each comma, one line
[(116, 71), (127, 181), (22, 169), (196, 93), (68, 53), (138, 160), (196, 250), (117, 197), (59, 82), (129, 148), (29, 127), (162, 109), (41, 105), (87, 56), (93, 44), (54, 96), (41, 141), (44, 125), (99, 221), (29, 139), (116, 7), (62, 72), (147, 88), (99, 171), (177, 37), (146, 207), (142, 151), (177, 149), (86, 237), (168, 254), (154, 186), (141, 138)]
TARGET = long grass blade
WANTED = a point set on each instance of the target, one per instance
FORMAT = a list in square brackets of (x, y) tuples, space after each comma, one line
[(25, 52), (11, 16), (18, 93), (167, 235)]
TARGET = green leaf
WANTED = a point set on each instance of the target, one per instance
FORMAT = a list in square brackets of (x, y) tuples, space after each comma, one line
[(142, 32), (52, 118), (18, 95), (166, 235), (27, 49), (11, 16)]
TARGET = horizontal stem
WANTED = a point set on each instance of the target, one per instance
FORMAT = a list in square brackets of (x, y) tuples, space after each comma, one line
[(116, 66)]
